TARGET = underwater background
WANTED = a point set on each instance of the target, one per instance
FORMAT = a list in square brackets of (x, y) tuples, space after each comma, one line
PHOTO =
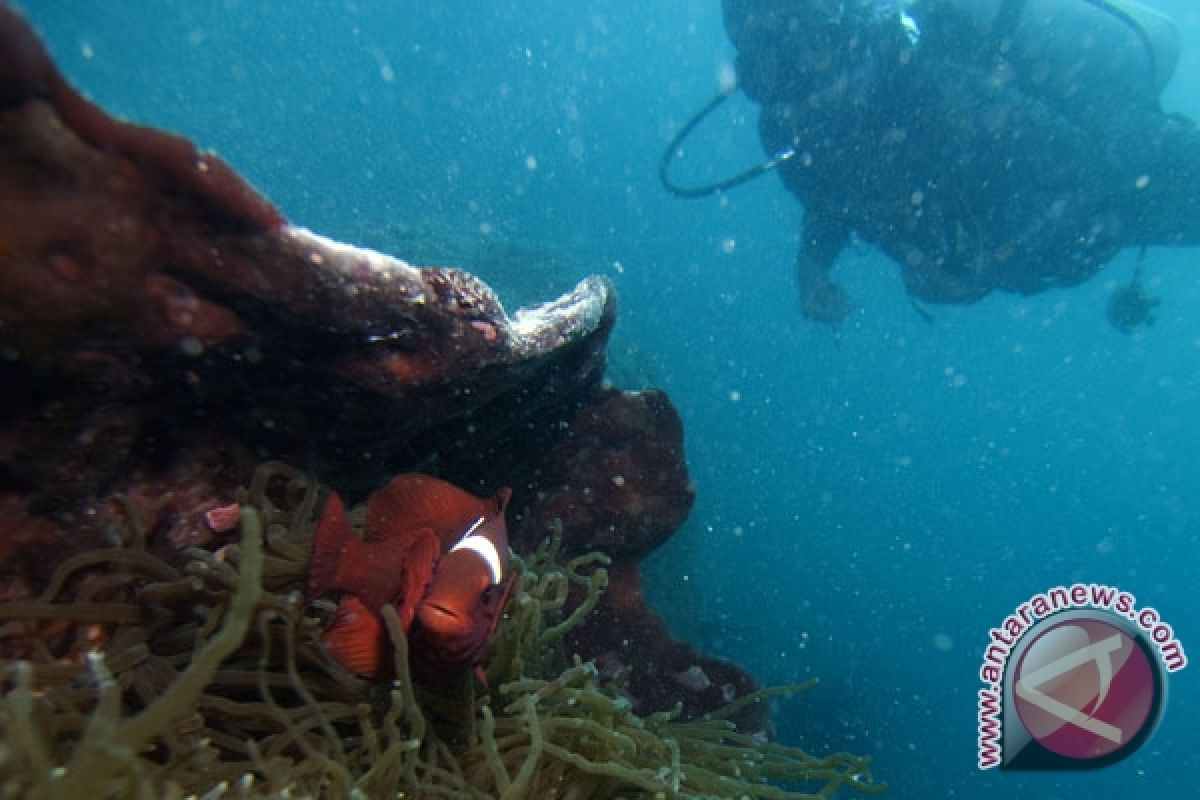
[(871, 499)]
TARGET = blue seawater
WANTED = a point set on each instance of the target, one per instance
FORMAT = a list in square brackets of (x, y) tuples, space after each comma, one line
[(870, 501)]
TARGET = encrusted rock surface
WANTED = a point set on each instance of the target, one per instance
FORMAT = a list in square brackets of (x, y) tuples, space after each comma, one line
[(163, 329)]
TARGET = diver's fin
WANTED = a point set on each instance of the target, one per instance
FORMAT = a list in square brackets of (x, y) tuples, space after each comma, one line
[(920, 309)]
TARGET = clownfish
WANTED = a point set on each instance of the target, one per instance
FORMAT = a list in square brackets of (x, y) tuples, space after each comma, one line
[(437, 554)]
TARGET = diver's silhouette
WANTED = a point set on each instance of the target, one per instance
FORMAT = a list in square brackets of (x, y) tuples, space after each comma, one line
[(981, 144)]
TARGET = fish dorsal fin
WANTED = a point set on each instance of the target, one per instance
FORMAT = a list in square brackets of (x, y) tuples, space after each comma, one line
[(501, 499), (413, 500)]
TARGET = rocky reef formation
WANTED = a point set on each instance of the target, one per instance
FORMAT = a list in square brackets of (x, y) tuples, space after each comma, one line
[(163, 330), (207, 676)]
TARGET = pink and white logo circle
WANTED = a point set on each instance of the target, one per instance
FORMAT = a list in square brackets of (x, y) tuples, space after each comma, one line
[(1085, 689)]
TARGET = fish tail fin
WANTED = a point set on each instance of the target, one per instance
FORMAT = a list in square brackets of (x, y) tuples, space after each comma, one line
[(332, 539), (356, 638)]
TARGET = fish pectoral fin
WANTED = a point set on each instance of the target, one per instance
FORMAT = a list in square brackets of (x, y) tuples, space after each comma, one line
[(417, 573), (500, 603), (481, 676), (356, 638), (509, 583)]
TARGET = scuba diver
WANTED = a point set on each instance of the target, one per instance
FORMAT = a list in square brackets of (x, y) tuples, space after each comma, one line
[(981, 144)]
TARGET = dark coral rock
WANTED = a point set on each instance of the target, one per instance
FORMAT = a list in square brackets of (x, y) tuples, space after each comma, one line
[(616, 477), (623, 633), (157, 317), (163, 328), (132, 260)]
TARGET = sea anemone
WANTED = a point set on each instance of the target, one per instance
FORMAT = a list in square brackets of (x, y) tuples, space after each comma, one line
[(206, 678)]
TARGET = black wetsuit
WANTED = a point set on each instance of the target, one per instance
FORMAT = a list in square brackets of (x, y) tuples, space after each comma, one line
[(936, 152)]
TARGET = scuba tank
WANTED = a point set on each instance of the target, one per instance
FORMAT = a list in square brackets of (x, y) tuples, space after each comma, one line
[(1087, 53)]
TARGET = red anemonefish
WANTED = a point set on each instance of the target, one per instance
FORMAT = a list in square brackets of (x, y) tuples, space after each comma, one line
[(438, 554)]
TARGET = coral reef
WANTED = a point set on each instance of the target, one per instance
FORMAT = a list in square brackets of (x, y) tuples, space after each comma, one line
[(620, 475), (162, 330), (135, 265), (148, 679), (522, 269), (624, 634)]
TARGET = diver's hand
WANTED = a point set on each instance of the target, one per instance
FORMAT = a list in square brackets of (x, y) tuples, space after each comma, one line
[(822, 300)]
